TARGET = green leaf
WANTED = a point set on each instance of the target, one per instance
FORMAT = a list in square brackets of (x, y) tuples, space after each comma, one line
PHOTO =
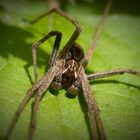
[(61, 117)]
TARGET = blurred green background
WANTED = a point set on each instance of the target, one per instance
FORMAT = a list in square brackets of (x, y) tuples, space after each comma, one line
[(62, 117)]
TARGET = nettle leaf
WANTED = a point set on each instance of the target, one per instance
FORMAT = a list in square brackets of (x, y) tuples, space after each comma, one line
[(61, 117)]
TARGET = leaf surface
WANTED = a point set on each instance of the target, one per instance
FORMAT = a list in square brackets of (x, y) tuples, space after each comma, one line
[(61, 117)]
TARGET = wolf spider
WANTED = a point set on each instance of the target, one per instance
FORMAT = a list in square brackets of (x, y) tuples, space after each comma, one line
[(67, 71)]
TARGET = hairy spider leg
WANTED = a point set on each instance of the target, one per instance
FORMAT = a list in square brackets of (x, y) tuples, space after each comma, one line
[(54, 50), (94, 114), (97, 34), (26, 99), (93, 109), (112, 73), (75, 34), (90, 104), (53, 71)]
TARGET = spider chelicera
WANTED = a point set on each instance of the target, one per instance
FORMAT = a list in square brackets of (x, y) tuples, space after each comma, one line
[(66, 70)]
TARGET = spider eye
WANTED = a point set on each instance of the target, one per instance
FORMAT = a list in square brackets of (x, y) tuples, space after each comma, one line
[(73, 90)]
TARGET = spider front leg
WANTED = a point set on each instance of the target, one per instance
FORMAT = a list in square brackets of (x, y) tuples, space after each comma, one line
[(54, 50), (22, 106), (35, 109), (97, 129), (44, 86), (40, 86)]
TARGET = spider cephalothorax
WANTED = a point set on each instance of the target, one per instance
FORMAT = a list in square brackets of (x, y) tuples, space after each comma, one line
[(70, 76)]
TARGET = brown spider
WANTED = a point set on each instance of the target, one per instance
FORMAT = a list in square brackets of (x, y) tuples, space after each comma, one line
[(67, 71)]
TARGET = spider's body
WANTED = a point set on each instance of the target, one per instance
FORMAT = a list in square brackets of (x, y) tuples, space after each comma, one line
[(69, 79)]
